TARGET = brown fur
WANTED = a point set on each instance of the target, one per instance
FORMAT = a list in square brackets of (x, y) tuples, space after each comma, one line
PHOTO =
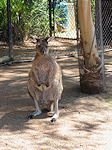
[(45, 78)]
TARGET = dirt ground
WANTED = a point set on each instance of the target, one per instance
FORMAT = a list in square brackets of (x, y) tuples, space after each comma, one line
[(58, 47), (85, 121)]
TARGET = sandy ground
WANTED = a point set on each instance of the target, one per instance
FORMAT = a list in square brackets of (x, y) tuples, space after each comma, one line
[(85, 121)]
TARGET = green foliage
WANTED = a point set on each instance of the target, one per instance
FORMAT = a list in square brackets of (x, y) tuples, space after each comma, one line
[(93, 9), (28, 17), (38, 19), (3, 14)]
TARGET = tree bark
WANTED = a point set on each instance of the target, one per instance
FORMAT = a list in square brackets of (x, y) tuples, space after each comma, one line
[(90, 65)]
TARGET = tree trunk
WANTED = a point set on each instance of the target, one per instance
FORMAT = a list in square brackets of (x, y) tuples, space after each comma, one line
[(90, 66)]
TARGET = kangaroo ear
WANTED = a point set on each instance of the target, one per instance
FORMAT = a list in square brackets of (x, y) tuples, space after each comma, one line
[(46, 39), (35, 38), (50, 39)]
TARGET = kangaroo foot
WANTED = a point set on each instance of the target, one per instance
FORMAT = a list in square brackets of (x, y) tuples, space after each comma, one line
[(37, 113)]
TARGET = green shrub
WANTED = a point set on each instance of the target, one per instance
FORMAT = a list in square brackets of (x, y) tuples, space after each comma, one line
[(28, 17)]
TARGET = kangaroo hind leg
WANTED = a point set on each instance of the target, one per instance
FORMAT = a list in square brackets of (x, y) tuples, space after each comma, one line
[(37, 112), (56, 112)]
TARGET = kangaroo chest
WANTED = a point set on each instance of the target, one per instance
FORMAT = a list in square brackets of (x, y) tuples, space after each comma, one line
[(43, 71)]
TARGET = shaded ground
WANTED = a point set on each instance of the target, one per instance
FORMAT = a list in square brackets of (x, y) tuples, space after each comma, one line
[(85, 121), (58, 47)]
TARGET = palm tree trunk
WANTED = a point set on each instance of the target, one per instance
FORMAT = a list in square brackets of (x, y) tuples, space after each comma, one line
[(90, 66)]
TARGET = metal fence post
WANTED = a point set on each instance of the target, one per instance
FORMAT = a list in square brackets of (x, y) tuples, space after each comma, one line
[(9, 30), (50, 18), (53, 28), (101, 40)]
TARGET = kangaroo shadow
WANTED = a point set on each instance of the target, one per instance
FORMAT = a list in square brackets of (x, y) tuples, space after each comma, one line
[(18, 120)]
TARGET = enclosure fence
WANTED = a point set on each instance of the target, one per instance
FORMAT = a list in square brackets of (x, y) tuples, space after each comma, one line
[(56, 18), (106, 12)]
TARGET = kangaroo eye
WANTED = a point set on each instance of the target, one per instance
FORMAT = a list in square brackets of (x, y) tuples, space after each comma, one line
[(38, 45)]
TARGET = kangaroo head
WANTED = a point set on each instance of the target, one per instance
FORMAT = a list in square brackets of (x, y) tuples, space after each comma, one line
[(42, 46)]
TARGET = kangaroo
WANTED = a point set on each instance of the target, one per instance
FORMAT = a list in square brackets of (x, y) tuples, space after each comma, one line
[(45, 81)]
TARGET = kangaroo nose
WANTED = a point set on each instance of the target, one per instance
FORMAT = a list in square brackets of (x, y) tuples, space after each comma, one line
[(43, 50)]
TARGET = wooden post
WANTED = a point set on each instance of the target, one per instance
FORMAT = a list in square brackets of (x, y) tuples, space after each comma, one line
[(9, 30), (50, 18)]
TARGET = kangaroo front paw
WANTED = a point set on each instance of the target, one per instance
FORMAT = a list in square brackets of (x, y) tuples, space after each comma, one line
[(47, 84), (50, 114)]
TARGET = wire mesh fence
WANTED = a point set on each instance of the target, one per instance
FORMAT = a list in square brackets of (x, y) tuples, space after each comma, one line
[(57, 18), (107, 23), (106, 11), (64, 29), (4, 49), (65, 19), (43, 19)]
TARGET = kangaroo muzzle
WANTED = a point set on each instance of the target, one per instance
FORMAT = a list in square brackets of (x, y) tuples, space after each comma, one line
[(43, 50)]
